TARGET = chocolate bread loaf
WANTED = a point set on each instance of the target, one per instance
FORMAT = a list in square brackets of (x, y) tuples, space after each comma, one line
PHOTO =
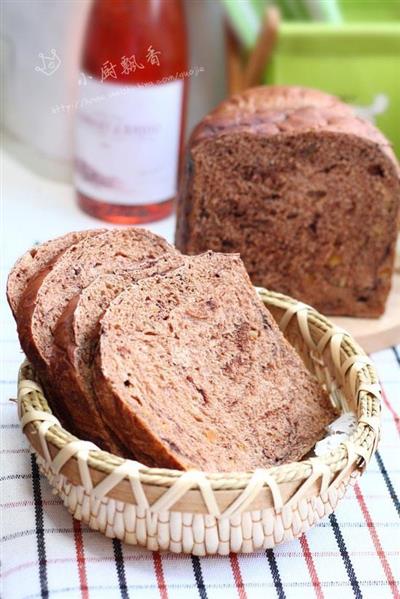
[(75, 339), (201, 376), (35, 260), (305, 190), (48, 294)]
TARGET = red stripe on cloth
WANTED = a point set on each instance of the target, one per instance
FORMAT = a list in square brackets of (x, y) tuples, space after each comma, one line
[(311, 567), (377, 543), (396, 417), (237, 576), (159, 570), (80, 559)]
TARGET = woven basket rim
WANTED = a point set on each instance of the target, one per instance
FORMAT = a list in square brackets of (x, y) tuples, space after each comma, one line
[(363, 441)]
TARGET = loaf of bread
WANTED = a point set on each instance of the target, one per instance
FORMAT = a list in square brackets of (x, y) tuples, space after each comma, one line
[(75, 340), (201, 376), (307, 192)]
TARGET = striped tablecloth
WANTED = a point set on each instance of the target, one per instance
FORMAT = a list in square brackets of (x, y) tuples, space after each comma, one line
[(45, 553)]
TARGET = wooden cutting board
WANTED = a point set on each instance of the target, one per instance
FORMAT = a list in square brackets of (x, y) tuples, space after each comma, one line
[(374, 334)]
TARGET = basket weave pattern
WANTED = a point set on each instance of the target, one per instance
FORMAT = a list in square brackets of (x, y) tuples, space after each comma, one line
[(216, 513)]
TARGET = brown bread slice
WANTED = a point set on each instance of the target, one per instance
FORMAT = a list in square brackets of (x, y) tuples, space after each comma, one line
[(46, 297), (37, 258), (75, 339), (305, 190), (201, 376)]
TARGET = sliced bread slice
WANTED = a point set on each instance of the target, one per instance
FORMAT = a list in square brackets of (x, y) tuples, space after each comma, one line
[(36, 259), (75, 340), (192, 371), (46, 297)]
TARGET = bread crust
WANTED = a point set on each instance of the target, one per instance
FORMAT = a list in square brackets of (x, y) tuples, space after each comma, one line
[(273, 110), (37, 258)]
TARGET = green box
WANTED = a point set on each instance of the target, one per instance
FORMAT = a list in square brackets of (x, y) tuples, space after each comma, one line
[(357, 61)]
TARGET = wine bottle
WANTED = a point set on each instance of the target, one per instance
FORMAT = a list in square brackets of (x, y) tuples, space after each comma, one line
[(131, 109)]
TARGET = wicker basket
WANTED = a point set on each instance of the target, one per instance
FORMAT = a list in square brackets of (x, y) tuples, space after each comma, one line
[(216, 513)]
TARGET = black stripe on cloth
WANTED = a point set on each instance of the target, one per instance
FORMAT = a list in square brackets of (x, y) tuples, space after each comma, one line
[(388, 482), (345, 557), (198, 575), (276, 577), (39, 527), (120, 567), (397, 355)]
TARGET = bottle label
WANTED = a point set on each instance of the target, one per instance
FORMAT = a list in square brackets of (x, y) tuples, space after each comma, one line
[(127, 141)]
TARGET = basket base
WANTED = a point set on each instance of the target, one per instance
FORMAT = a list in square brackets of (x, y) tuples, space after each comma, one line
[(195, 534)]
